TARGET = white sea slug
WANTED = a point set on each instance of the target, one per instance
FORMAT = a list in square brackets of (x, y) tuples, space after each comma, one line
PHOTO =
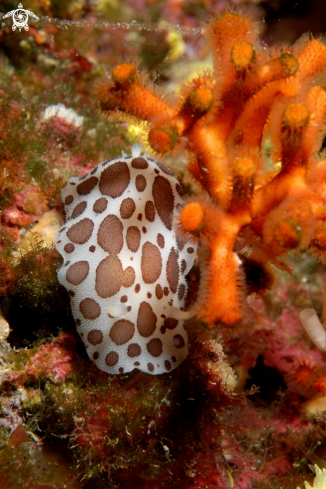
[(124, 265)]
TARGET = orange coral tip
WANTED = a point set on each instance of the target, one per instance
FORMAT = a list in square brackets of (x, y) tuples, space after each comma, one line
[(242, 54), (163, 139), (290, 63), (295, 116), (244, 167), (276, 68), (201, 99), (123, 73), (228, 18), (191, 217)]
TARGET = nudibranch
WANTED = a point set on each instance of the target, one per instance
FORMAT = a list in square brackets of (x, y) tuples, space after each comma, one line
[(125, 265)]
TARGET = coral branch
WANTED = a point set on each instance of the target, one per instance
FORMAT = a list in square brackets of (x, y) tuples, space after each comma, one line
[(125, 92), (225, 121), (220, 290)]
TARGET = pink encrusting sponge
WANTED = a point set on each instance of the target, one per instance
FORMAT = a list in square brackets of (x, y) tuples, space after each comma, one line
[(124, 265)]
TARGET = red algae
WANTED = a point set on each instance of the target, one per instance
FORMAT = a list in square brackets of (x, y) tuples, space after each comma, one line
[(55, 360)]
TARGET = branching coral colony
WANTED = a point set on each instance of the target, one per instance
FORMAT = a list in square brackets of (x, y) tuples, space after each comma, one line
[(260, 207)]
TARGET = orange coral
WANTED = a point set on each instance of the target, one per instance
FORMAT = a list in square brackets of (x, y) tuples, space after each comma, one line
[(192, 216), (224, 120)]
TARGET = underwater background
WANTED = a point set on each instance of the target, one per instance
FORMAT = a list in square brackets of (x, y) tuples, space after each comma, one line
[(247, 408)]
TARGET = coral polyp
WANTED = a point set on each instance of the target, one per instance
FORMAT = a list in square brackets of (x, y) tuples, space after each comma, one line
[(272, 201)]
